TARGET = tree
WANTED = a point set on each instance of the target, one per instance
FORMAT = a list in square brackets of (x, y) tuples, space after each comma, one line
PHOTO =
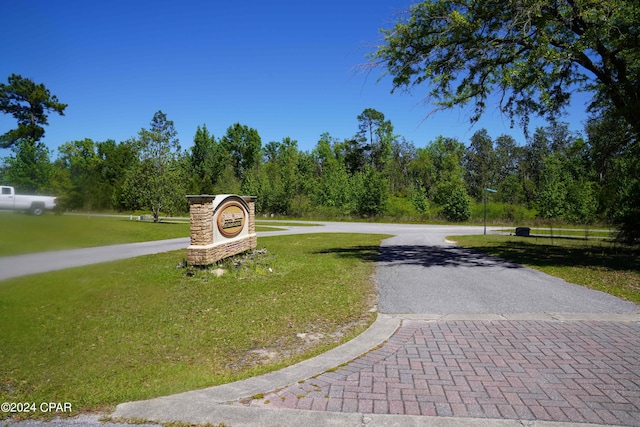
[(509, 166), (419, 200), (156, 183), (457, 205), (582, 202), (288, 157), (480, 163), (332, 179), (371, 192), (616, 171), (116, 159), (306, 180), (423, 171), (446, 154), (29, 104), (355, 156), (534, 53), (29, 168), (243, 144), (552, 195), (89, 175), (207, 161), (397, 170), (378, 132), (626, 216), (280, 176), (535, 152), (84, 165)]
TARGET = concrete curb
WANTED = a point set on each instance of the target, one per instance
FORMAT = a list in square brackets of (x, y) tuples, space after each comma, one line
[(544, 317), (236, 416), (254, 417)]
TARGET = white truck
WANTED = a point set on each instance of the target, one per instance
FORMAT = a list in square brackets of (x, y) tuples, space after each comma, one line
[(36, 205)]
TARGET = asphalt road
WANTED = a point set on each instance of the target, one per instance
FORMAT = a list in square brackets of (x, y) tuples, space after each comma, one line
[(22, 265), (418, 272), (42, 262)]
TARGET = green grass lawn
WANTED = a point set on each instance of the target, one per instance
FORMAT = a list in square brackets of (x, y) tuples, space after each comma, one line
[(99, 335), (23, 234), (597, 264)]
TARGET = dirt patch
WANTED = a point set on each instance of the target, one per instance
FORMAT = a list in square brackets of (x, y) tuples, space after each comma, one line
[(298, 344)]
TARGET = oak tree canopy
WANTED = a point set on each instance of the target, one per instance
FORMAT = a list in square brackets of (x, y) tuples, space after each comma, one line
[(532, 53)]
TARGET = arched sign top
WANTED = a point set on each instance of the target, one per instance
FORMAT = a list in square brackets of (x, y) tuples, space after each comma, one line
[(222, 199)]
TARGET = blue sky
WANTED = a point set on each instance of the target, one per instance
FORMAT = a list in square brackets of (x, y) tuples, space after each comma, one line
[(285, 68)]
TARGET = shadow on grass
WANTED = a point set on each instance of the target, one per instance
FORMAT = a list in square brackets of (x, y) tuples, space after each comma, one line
[(367, 253), (425, 256), (546, 254)]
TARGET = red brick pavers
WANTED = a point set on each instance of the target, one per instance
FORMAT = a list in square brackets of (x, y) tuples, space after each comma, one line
[(585, 371)]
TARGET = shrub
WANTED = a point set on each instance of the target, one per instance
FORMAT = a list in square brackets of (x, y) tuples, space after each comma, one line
[(457, 206)]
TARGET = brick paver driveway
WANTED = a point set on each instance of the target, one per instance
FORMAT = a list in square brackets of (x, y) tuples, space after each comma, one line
[(586, 371)]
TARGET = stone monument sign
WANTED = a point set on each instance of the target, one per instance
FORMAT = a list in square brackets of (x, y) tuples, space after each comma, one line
[(221, 226)]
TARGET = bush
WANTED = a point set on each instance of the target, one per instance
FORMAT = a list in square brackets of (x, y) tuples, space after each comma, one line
[(420, 201), (502, 212), (400, 207), (373, 192), (457, 206)]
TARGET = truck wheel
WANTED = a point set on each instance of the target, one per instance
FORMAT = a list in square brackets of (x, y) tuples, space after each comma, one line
[(37, 210)]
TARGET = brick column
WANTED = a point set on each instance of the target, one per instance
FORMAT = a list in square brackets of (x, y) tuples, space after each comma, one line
[(201, 213), (251, 202), (252, 240)]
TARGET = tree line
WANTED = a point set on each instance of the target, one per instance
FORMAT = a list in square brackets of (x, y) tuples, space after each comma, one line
[(558, 175)]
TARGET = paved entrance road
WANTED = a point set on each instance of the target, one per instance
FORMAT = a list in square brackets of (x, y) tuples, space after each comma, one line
[(420, 273), (22, 265), (42, 262)]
